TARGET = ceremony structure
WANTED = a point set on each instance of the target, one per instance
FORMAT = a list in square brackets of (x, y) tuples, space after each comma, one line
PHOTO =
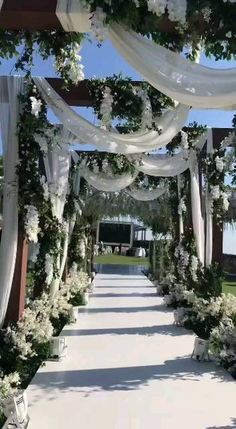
[(123, 348)]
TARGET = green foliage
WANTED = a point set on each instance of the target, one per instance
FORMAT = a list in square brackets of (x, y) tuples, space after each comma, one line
[(30, 186), (103, 161), (127, 106), (209, 281)]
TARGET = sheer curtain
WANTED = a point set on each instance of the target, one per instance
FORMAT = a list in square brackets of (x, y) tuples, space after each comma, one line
[(10, 88), (197, 219), (73, 16), (167, 165), (146, 194), (179, 78), (169, 124)]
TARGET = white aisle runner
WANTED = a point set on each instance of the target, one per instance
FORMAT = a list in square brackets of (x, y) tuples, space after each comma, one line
[(128, 367)]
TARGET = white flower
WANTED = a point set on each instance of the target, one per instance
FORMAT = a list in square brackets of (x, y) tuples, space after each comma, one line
[(106, 107), (8, 385), (215, 192), (32, 223), (157, 6), (206, 12), (194, 267), (49, 268), (229, 35), (36, 106), (44, 185), (184, 140), (182, 207), (225, 199), (219, 164)]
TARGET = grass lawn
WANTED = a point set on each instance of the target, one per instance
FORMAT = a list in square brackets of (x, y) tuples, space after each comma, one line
[(229, 287), (120, 260)]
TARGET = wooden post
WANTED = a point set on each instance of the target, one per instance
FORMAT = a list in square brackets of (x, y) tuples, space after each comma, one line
[(16, 303)]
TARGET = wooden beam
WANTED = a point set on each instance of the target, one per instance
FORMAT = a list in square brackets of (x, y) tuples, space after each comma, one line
[(36, 15), (16, 303), (29, 15), (76, 95)]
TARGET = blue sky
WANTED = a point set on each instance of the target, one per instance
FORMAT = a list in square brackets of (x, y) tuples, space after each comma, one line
[(105, 61)]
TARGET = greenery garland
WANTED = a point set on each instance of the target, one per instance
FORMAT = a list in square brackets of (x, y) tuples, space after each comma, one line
[(208, 22), (31, 191), (127, 106), (108, 163)]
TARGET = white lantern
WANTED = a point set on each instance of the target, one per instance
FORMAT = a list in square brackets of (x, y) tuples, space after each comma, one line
[(179, 315), (58, 347), (85, 298), (200, 351), (15, 408), (74, 311)]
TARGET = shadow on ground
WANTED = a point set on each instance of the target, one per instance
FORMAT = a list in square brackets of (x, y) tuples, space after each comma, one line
[(126, 378), (139, 330)]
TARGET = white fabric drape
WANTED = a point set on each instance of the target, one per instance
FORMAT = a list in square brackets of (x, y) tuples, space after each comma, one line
[(101, 181), (167, 165), (104, 183), (145, 194), (181, 223), (10, 88), (183, 80), (73, 16), (57, 165), (198, 223), (70, 225), (208, 209), (170, 123)]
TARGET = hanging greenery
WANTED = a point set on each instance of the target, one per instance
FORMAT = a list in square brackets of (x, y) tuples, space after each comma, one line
[(108, 163), (128, 104), (208, 22), (35, 207)]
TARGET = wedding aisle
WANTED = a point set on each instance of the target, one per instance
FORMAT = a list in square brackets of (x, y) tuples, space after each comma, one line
[(129, 367)]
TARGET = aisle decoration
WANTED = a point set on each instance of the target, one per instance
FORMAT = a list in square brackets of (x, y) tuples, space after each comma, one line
[(170, 123)]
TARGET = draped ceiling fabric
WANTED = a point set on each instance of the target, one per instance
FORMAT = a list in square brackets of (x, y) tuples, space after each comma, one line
[(57, 165), (101, 181), (10, 88), (181, 79), (73, 16), (197, 218), (208, 209), (167, 165), (170, 123), (145, 194)]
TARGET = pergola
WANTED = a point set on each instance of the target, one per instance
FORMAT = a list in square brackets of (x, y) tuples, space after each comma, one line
[(39, 15)]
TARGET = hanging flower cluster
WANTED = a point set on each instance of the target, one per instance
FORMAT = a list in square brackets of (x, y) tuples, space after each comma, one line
[(133, 107), (106, 108), (69, 66), (32, 228), (182, 206), (8, 386), (217, 166), (108, 163)]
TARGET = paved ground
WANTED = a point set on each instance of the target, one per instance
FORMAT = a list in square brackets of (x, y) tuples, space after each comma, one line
[(128, 367)]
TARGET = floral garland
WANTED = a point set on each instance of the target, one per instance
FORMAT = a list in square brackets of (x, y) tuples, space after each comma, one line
[(107, 163), (25, 345), (191, 22), (126, 103), (217, 165), (35, 207)]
